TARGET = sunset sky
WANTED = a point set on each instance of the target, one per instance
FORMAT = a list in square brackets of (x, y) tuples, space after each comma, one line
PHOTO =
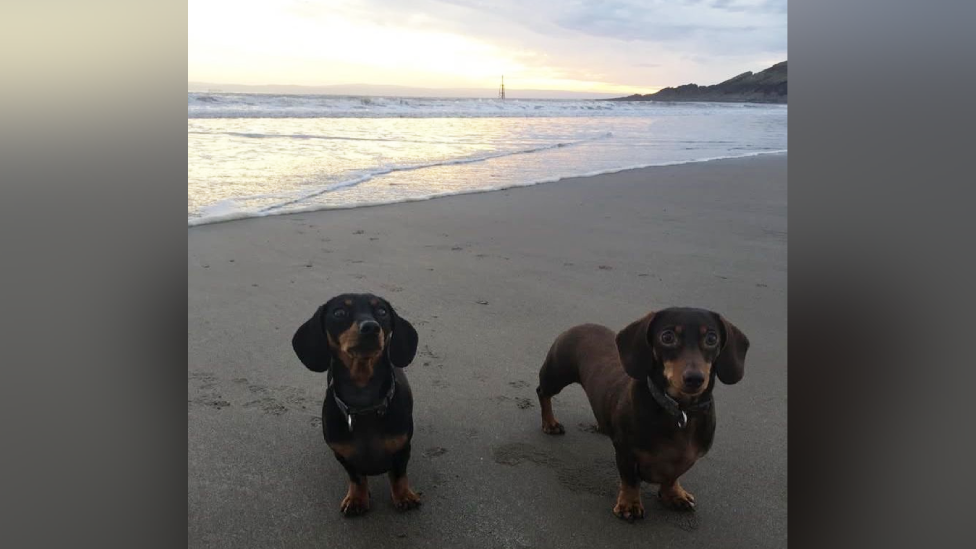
[(623, 46)]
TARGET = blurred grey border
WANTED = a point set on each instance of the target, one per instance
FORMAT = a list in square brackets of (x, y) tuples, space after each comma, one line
[(93, 165), (93, 171), (880, 266)]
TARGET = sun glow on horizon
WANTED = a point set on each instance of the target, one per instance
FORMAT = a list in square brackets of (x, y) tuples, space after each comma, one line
[(252, 42)]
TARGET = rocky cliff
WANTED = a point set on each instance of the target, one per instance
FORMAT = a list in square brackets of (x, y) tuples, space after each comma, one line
[(768, 86)]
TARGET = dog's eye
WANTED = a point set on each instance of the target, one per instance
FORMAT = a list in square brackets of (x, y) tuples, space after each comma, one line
[(339, 313), (668, 337), (381, 311), (711, 339)]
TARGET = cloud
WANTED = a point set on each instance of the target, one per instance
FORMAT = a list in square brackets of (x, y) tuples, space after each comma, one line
[(671, 42), (718, 36), (719, 28)]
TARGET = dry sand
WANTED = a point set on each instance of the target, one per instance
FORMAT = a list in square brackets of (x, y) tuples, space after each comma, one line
[(488, 280)]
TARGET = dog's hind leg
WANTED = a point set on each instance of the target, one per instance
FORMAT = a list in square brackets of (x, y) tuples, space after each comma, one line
[(553, 377), (404, 498)]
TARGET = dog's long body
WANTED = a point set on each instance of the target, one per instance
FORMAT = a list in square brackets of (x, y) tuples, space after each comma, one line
[(650, 389), (367, 415)]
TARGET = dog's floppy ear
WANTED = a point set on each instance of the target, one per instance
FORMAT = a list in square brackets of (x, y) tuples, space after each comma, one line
[(635, 349), (311, 344), (731, 362), (403, 344)]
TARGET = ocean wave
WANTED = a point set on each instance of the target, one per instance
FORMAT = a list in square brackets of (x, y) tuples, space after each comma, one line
[(452, 162), (225, 210), (211, 105), (255, 135)]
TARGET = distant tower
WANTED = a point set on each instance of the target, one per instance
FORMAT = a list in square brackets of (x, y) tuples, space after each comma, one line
[(501, 89)]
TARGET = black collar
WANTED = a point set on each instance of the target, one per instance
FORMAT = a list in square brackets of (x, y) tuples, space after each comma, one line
[(672, 407), (349, 412), (379, 408)]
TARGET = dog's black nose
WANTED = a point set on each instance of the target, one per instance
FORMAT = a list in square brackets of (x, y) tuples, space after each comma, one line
[(694, 380), (369, 327)]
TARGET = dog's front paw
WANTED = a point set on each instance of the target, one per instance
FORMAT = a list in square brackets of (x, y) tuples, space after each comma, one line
[(629, 506), (677, 498), (553, 428), (629, 510), (406, 500), (356, 501)]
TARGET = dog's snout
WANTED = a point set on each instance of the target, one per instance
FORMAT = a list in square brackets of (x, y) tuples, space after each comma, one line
[(694, 380), (369, 327)]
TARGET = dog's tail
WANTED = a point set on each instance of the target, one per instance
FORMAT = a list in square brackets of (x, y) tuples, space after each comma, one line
[(556, 372)]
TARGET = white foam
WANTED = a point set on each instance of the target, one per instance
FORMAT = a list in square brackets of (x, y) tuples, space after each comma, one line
[(223, 214), (452, 162), (229, 105)]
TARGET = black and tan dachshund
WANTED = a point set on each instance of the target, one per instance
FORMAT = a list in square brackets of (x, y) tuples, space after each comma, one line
[(650, 387), (367, 416)]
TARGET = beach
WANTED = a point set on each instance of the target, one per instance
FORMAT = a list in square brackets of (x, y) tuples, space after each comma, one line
[(488, 280)]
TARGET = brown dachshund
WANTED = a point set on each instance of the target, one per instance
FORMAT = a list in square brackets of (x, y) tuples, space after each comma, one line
[(650, 387)]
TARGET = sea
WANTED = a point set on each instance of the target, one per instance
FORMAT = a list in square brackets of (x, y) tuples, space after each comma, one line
[(253, 155)]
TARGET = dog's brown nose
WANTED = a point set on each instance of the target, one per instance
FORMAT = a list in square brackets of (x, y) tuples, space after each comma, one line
[(694, 380), (369, 327)]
